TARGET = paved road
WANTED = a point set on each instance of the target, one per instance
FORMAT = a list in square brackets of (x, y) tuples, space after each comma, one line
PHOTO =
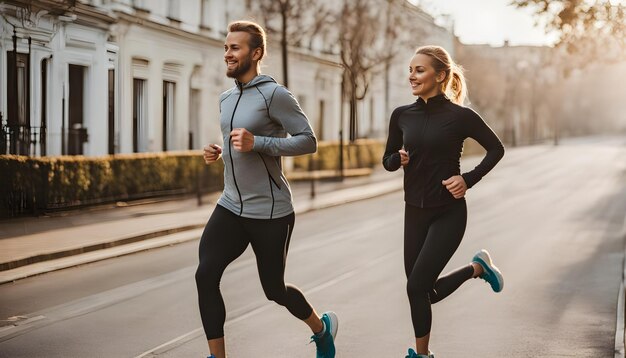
[(553, 218)]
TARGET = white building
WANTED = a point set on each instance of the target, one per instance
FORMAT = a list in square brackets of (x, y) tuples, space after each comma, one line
[(56, 78), (122, 76), (416, 29)]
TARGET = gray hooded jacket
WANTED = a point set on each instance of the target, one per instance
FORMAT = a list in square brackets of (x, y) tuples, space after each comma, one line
[(254, 185)]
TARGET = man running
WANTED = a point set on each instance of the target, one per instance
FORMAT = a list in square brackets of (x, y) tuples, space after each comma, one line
[(256, 207)]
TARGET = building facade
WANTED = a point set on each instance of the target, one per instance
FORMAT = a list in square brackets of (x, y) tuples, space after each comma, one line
[(53, 70), (97, 77)]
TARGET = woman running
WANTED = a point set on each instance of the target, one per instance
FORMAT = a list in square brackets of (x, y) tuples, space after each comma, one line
[(426, 139)]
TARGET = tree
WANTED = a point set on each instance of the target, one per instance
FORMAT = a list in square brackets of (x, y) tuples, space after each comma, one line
[(593, 29), (400, 34), (368, 45), (278, 16), (590, 31)]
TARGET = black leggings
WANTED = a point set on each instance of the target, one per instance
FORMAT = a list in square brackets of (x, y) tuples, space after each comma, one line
[(225, 237), (431, 236)]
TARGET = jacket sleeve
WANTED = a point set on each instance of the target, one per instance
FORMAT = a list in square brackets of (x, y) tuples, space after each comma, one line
[(477, 129), (391, 158), (284, 108)]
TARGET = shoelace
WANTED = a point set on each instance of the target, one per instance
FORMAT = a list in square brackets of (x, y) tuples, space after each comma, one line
[(317, 340), (320, 343)]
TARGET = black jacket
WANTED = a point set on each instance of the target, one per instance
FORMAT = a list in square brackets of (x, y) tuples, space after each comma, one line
[(433, 134)]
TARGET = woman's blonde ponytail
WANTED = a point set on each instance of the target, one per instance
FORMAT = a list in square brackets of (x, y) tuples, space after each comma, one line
[(455, 88)]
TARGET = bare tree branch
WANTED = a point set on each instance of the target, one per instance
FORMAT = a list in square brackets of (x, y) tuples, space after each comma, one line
[(278, 17), (592, 27)]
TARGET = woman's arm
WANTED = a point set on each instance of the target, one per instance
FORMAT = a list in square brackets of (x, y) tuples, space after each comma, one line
[(391, 158), (479, 130)]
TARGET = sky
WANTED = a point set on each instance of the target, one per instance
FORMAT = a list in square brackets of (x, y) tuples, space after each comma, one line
[(489, 22)]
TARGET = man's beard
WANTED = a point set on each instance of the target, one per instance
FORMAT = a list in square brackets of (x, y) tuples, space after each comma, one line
[(242, 68)]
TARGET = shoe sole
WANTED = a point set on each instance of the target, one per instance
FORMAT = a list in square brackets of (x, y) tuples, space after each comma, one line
[(484, 259), (334, 323)]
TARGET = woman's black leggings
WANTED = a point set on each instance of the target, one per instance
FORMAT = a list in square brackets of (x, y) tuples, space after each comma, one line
[(225, 237), (431, 236)]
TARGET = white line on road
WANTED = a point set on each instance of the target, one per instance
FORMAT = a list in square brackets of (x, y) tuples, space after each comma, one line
[(173, 343), (93, 303), (619, 328), (165, 347)]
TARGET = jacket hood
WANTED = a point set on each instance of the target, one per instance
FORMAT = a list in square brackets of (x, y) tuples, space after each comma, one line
[(255, 81)]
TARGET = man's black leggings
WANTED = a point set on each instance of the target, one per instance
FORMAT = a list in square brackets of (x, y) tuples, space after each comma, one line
[(431, 236), (225, 237)]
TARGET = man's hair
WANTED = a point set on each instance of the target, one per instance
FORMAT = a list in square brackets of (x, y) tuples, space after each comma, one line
[(257, 34)]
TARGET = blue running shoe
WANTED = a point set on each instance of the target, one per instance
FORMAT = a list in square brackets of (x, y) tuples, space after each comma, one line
[(325, 344), (491, 273), (413, 354), (211, 356)]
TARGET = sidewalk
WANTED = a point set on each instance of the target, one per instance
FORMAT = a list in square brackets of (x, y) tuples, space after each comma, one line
[(31, 246)]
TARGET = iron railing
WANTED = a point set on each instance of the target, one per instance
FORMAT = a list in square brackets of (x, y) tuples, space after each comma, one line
[(22, 139)]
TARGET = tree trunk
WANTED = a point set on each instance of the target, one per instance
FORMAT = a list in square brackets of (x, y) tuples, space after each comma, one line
[(387, 61), (283, 44)]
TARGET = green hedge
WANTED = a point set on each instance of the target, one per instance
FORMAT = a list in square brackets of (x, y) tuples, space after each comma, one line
[(362, 153), (39, 184), (35, 185)]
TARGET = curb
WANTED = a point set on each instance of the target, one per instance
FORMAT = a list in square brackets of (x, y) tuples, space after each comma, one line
[(620, 338), (10, 265), (98, 255), (173, 236)]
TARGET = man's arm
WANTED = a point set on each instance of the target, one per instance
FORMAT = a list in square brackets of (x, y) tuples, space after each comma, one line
[(284, 108)]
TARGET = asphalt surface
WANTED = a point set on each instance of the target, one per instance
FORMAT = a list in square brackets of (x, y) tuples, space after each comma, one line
[(552, 218)]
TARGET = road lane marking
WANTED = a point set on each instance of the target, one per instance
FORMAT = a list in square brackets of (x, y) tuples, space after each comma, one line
[(165, 347), (114, 296), (93, 303), (619, 328)]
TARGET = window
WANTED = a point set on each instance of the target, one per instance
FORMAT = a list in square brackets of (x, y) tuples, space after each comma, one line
[(205, 11), (140, 5), (111, 111), (76, 132), (320, 122), (139, 115), (18, 111), (169, 92), (217, 15), (44, 106), (173, 11), (194, 120)]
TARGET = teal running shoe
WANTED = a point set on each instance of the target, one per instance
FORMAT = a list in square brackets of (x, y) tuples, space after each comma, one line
[(491, 273), (413, 354), (325, 344)]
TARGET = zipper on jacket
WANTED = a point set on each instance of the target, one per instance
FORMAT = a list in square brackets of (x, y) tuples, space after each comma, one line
[(232, 163), (423, 152)]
